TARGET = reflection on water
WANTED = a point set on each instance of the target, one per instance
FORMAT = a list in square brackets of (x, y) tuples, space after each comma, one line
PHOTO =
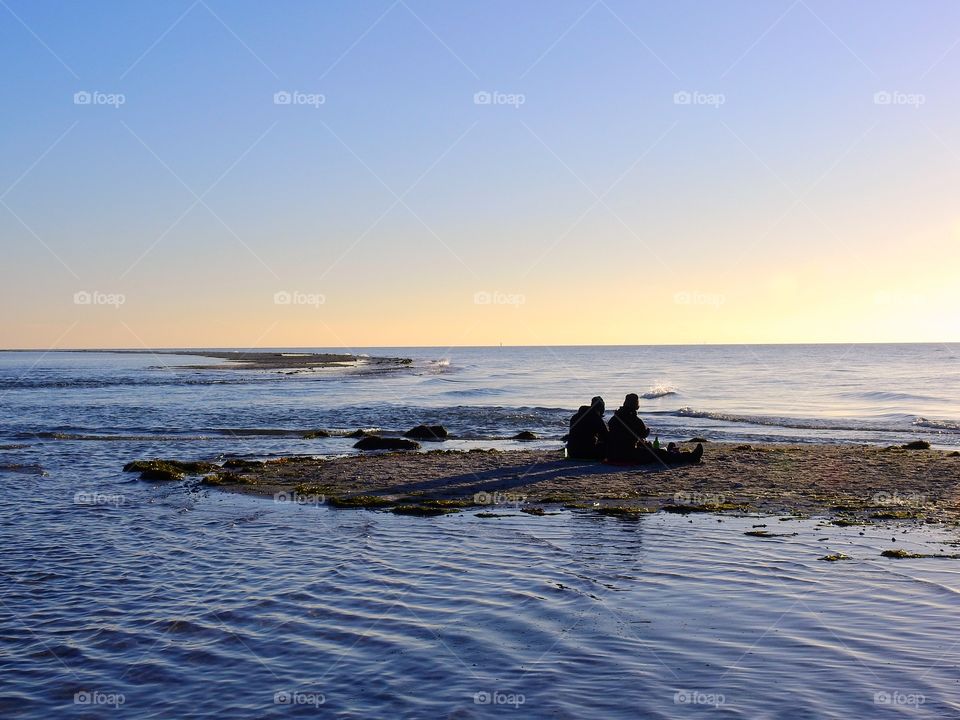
[(182, 602)]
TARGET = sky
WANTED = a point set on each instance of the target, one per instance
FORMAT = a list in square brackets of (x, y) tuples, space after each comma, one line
[(218, 173)]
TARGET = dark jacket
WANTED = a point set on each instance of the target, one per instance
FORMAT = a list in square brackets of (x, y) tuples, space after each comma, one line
[(626, 432), (588, 433)]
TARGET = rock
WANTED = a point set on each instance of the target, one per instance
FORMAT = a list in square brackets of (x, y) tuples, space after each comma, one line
[(372, 442), (312, 434), (242, 464), (524, 435), (427, 432), (917, 445), (168, 469), (697, 440), (955, 453), (359, 434)]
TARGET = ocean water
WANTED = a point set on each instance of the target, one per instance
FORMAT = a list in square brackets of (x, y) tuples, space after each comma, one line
[(125, 598)]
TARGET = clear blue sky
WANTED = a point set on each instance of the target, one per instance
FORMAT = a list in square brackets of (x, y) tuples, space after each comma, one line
[(795, 207)]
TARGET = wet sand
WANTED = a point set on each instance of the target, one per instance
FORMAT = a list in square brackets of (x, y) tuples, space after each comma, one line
[(858, 483)]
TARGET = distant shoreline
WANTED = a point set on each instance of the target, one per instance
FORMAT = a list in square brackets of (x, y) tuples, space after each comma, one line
[(257, 360)]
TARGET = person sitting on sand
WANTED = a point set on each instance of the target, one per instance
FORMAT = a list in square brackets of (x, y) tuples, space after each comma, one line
[(627, 432), (588, 432), (626, 442)]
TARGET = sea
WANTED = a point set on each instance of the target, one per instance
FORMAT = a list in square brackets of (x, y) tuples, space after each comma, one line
[(123, 598)]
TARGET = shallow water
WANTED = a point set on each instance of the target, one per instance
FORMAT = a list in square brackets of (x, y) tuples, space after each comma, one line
[(184, 602)]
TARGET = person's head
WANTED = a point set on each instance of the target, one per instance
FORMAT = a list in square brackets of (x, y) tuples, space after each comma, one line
[(631, 402), (598, 405)]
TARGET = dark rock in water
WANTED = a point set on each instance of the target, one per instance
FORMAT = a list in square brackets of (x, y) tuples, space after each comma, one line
[(697, 440), (917, 445), (372, 442), (168, 469), (358, 434), (23, 469), (427, 432), (312, 434), (525, 435)]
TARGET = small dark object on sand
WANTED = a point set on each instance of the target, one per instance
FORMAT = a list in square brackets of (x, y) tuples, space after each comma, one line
[(698, 440), (373, 442), (427, 432), (917, 445), (525, 435)]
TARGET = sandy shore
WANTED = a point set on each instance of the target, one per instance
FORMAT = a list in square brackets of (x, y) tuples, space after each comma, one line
[(852, 483)]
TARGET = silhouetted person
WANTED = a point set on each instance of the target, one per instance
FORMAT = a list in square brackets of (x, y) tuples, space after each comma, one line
[(627, 439), (627, 432), (588, 432)]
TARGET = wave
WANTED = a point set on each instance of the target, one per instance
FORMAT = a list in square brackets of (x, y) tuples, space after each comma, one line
[(800, 423), (937, 424), (96, 383), (475, 392), (889, 396), (659, 391)]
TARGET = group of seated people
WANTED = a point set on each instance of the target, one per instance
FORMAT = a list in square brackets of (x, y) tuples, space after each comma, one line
[(621, 440)]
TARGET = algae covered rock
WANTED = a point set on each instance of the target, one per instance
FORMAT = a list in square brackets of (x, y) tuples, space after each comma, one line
[(159, 470), (525, 435)]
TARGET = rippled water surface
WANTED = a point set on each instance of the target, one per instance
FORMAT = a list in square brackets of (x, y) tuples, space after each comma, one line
[(124, 598)]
